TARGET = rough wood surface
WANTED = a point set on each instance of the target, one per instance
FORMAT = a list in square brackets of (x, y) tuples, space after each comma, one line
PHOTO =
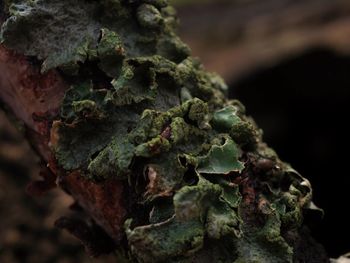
[(35, 99)]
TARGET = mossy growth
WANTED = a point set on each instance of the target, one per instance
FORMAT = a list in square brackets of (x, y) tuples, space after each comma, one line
[(141, 110)]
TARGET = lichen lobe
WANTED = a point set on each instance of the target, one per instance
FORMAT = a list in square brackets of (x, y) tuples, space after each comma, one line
[(142, 111)]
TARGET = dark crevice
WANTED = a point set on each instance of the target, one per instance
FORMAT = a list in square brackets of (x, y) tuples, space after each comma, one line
[(90, 70), (302, 104)]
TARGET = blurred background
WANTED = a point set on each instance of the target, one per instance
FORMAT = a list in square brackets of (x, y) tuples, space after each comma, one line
[(288, 61)]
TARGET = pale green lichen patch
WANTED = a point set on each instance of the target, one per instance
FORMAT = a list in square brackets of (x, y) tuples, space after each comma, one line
[(230, 193), (200, 212), (113, 161), (221, 159), (65, 33), (192, 202), (226, 118), (264, 245), (53, 31), (232, 121), (205, 202), (110, 52), (149, 16), (222, 221), (202, 186), (160, 242)]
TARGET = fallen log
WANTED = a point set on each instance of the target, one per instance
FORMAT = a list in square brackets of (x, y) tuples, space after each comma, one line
[(144, 139)]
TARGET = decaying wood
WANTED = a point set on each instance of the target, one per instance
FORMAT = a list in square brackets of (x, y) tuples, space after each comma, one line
[(35, 98)]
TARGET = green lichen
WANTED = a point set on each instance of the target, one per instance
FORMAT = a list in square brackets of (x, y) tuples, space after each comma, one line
[(159, 242), (110, 52), (226, 118), (149, 16), (221, 159), (113, 161), (264, 245), (199, 212), (44, 29), (142, 111)]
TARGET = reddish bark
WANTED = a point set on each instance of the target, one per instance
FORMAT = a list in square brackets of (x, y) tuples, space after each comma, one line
[(35, 99)]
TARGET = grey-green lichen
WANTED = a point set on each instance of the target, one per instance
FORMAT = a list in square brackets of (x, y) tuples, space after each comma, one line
[(140, 109)]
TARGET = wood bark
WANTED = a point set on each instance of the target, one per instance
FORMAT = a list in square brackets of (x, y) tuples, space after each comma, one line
[(34, 98)]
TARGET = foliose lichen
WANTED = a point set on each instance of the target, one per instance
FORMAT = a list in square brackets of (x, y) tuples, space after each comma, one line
[(140, 109)]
